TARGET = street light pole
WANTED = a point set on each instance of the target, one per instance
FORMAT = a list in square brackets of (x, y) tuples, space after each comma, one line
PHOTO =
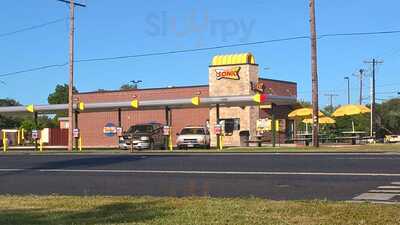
[(136, 82), (348, 89), (72, 5), (71, 76), (314, 74)]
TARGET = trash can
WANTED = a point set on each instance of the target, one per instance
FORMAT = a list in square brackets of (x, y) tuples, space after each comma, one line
[(244, 138)]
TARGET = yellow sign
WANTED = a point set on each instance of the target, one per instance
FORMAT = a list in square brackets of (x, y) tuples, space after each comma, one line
[(196, 100), (81, 106), (259, 98), (135, 104), (266, 125), (30, 108)]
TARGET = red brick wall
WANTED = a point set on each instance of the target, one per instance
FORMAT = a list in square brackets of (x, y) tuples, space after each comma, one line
[(280, 88), (92, 124)]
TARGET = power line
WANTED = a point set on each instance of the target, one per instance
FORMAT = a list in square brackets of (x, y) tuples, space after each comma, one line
[(201, 49), (236, 45), (191, 50), (32, 27), (359, 33), (33, 69)]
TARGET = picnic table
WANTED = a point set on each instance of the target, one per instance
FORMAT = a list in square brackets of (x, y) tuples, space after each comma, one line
[(353, 136)]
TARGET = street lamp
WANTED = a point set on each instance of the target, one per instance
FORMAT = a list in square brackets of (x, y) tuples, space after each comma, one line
[(348, 89), (135, 82)]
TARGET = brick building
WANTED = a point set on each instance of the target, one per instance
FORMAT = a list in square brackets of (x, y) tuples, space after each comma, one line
[(228, 75)]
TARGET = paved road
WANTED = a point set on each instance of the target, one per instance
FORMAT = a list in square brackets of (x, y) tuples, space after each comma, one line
[(373, 177)]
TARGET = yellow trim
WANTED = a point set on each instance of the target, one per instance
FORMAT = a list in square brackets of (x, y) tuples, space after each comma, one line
[(196, 100), (5, 141), (221, 142), (135, 104), (18, 137), (170, 141), (30, 108), (81, 106), (242, 58), (41, 145), (80, 143)]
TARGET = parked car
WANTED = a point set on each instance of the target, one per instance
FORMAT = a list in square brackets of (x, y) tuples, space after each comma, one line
[(143, 136), (192, 137)]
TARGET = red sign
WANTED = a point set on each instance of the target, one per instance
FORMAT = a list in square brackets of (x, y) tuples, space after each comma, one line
[(218, 129), (231, 73)]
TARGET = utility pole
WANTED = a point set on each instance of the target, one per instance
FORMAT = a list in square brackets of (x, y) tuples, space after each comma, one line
[(348, 89), (360, 77), (314, 74), (331, 99), (374, 63), (72, 5)]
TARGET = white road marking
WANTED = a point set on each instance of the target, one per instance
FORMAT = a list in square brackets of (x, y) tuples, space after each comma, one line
[(375, 196), (383, 194), (371, 158), (11, 170), (219, 172), (396, 183), (205, 172), (386, 191), (374, 202), (389, 187)]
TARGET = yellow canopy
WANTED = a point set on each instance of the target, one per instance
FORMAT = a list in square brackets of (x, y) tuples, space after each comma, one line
[(322, 120), (303, 113), (350, 110)]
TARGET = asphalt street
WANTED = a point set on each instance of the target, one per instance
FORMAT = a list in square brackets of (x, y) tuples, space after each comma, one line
[(354, 177)]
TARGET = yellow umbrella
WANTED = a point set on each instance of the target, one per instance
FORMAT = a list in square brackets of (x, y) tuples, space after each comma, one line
[(350, 110), (303, 113), (322, 120)]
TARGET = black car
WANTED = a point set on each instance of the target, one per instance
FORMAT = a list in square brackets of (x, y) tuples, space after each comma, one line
[(143, 136)]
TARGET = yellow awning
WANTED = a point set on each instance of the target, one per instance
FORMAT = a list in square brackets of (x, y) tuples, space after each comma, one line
[(303, 113), (233, 59), (350, 110), (321, 120)]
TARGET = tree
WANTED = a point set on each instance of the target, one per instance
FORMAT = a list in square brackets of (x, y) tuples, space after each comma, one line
[(388, 115), (128, 87), (44, 121), (60, 94), (9, 121)]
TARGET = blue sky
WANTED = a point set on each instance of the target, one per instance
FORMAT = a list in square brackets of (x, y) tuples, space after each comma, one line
[(125, 27)]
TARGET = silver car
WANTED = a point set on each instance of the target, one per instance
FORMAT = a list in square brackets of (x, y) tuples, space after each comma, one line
[(143, 136), (193, 137)]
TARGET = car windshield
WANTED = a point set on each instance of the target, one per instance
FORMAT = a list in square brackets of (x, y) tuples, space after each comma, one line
[(141, 129), (192, 131)]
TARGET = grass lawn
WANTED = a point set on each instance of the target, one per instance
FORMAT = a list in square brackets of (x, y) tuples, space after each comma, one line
[(331, 148), (18, 210)]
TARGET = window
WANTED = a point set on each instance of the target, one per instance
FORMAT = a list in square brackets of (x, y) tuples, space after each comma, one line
[(231, 125), (192, 131)]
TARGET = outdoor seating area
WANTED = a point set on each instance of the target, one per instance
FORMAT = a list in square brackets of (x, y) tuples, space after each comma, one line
[(328, 132)]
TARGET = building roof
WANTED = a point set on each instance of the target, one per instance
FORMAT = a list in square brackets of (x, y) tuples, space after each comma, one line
[(233, 59), (143, 89), (279, 81)]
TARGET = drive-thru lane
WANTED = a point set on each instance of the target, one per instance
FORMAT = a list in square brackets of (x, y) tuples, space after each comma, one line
[(273, 176)]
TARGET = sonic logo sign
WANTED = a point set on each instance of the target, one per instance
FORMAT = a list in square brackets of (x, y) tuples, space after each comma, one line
[(109, 130), (231, 73)]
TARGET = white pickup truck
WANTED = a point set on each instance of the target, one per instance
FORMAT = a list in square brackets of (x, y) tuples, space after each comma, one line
[(193, 137)]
